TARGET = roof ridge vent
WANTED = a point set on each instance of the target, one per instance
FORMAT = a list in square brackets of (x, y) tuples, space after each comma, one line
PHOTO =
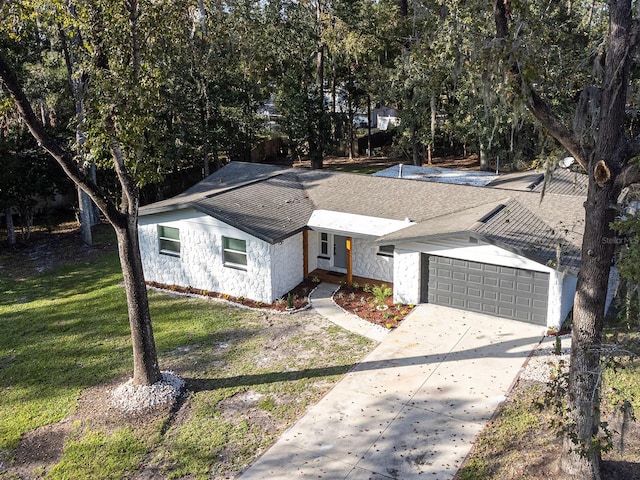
[(492, 213)]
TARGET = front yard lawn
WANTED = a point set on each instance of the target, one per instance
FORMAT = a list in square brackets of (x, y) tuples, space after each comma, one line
[(65, 344)]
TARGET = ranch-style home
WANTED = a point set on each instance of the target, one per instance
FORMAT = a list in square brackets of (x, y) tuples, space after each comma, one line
[(256, 231)]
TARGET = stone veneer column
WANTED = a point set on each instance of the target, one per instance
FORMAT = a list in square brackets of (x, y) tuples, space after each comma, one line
[(406, 277)]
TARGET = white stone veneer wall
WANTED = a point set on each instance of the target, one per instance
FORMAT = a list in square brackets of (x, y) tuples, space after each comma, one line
[(286, 265), (406, 277), (367, 263), (200, 264)]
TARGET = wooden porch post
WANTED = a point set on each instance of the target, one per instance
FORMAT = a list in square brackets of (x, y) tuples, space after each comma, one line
[(349, 263), (305, 253)]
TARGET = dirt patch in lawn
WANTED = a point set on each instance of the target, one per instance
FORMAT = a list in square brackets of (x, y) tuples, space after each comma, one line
[(41, 448)]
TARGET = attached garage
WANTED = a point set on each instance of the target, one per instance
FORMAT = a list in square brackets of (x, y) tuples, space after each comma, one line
[(480, 287)]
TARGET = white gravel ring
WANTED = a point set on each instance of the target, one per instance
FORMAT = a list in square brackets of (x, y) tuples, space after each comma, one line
[(130, 398)]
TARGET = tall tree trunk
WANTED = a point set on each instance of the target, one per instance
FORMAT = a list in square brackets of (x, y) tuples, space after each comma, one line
[(317, 149), (582, 460), (368, 125), (145, 361), (78, 83), (484, 159), (433, 126), (11, 229), (597, 251), (415, 147), (609, 170), (84, 216)]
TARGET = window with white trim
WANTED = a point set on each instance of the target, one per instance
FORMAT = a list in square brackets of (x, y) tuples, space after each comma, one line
[(324, 245), (234, 253), (386, 250), (169, 240)]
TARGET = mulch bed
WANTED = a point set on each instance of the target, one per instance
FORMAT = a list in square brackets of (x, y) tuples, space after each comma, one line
[(299, 296), (363, 303), (354, 300)]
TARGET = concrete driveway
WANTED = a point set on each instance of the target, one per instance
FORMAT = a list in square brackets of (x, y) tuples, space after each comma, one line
[(413, 407)]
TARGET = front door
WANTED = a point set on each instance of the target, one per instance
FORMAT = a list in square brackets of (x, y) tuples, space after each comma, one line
[(340, 252)]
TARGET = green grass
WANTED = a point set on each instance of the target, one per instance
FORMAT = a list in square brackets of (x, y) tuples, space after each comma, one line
[(66, 330), (62, 331), (95, 455), (522, 441)]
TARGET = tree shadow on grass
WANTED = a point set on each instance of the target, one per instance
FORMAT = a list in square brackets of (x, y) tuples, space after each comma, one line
[(495, 350), (617, 470)]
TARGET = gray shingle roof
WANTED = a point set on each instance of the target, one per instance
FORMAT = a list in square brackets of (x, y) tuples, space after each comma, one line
[(516, 227), (563, 181), (272, 209), (273, 203)]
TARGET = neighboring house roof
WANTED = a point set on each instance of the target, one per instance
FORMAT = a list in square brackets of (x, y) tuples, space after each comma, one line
[(559, 181), (273, 203)]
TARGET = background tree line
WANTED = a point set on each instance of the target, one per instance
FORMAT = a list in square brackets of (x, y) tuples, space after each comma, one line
[(120, 93), (210, 67)]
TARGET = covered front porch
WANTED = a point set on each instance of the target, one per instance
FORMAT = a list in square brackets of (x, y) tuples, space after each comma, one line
[(339, 278), (343, 259)]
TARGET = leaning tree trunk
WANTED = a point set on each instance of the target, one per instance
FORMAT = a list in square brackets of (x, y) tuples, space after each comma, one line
[(146, 370), (145, 364)]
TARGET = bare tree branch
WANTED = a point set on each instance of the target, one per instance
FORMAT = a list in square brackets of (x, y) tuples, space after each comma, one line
[(630, 174), (541, 110)]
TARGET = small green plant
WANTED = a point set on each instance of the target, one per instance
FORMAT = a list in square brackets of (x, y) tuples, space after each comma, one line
[(352, 296), (280, 301), (557, 349), (381, 293), (356, 285), (290, 300), (315, 279), (339, 295), (403, 312), (387, 315)]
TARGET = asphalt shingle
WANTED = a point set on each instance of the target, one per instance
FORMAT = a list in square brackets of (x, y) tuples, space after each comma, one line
[(273, 203)]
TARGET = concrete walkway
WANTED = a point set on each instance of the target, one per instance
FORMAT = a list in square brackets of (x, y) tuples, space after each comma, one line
[(322, 303), (413, 407)]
